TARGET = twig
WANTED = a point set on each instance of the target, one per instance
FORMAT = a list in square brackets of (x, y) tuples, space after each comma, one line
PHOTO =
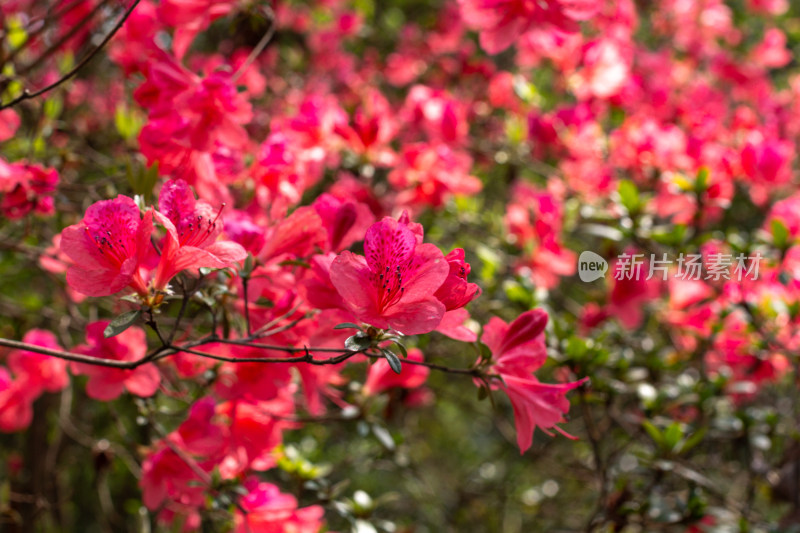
[(270, 16), (64, 38), (27, 95)]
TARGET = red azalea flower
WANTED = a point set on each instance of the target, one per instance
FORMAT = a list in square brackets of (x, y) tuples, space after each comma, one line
[(108, 247), (192, 231), (107, 383), (456, 291), (394, 285), (518, 350)]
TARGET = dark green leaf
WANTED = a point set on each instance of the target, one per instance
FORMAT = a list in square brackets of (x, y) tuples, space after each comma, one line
[(121, 323), (357, 342), (393, 360), (247, 268), (346, 325), (402, 350)]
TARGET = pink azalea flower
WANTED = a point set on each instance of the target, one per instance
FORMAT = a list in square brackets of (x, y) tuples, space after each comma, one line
[(108, 383), (456, 291), (381, 377), (394, 286), (108, 247), (190, 17), (192, 231), (767, 161), (41, 372), (536, 404), (428, 175), (256, 429), (167, 475), (16, 402), (453, 325), (9, 122), (345, 221), (518, 350), (372, 129), (268, 510), (501, 22), (26, 188)]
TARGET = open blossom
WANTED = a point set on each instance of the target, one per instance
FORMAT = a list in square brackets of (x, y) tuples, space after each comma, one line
[(107, 383), (394, 285), (502, 22), (9, 122), (268, 510), (345, 221), (26, 188), (456, 291), (108, 247), (518, 350), (16, 403), (40, 372), (33, 373), (428, 175), (192, 231)]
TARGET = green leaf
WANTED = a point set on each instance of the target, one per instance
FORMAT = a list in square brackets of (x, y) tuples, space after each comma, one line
[(780, 234), (16, 34), (672, 436), (247, 268), (402, 349), (52, 107), (346, 325), (483, 393), (701, 182), (654, 432), (294, 262), (629, 195), (359, 341), (121, 323), (693, 441), (383, 435), (393, 360)]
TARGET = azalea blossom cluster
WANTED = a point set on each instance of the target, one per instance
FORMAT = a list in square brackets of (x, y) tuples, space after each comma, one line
[(111, 248), (400, 286)]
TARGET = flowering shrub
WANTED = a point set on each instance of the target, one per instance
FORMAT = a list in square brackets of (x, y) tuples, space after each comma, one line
[(259, 257)]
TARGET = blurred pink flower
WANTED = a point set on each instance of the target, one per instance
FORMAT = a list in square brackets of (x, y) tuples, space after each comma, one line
[(107, 383)]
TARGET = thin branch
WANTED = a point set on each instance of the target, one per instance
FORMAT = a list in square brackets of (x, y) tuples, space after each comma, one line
[(27, 95), (181, 313), (270, 16), (307, 358), (70, 356), (251, 344), (171, 349), (450, 370), (64, 38)]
